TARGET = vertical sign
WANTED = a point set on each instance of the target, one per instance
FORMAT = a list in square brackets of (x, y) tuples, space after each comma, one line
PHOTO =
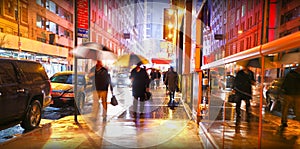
[(82, 19)]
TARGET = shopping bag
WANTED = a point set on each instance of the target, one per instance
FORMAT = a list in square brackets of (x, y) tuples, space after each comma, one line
[(114, 100), (148, 95)]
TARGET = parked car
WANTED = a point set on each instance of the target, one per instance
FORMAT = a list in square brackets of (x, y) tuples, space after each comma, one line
[(25, 90), (121, 79), (63, 89)]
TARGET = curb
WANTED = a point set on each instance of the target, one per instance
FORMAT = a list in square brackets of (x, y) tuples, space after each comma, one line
[(46, 125)]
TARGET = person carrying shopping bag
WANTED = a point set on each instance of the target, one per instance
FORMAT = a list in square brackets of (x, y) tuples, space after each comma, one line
[(101, 82)]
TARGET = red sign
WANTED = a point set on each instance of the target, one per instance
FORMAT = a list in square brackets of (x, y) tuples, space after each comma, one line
[(82, 13)]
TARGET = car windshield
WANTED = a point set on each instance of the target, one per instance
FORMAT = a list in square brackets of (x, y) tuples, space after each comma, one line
[(67, 79), (122, 75)]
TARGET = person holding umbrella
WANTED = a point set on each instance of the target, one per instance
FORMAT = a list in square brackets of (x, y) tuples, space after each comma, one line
[(140, 85), (102, 80)]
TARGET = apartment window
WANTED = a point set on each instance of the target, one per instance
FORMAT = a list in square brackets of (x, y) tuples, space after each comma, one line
[(250, 4), (1, 8), (9, 8), (99, 5), (52, 27), (24, 13), (67, 33), (51, 6), (40, 22), (248, 43), (255, 39), (243, 10), (257, 2), (243, 26), (40, 2), (105, 8), (256, 18), (148, 26), (242, 45), (232, 4), (238, 14), (247, 24)]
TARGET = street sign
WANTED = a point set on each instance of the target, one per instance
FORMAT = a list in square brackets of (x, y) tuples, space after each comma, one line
[(83, 33)]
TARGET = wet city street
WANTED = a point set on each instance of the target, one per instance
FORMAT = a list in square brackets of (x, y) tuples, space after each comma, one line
[(159, 127)]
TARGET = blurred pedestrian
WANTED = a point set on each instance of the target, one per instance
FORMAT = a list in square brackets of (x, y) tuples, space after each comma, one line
[(152, 78), (291, 95), (101, 82), (172, 81), (140, 85), (243, 90), (157, 78), (164, 80)]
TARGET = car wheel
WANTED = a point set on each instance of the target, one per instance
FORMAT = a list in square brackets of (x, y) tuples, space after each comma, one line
[(33, 116)]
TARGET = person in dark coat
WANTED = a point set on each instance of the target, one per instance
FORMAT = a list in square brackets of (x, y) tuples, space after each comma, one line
[(157, 78), (152, 78), (242, 87), (102, 81), (164, 80), (171, 81), (291, 95), (140, 85)]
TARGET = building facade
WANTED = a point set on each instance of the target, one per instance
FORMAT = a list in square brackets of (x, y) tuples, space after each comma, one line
[(43, 30), (233, 33)]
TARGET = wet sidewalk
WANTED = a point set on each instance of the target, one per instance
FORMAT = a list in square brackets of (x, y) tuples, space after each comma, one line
[(224, 132), (159, 127)]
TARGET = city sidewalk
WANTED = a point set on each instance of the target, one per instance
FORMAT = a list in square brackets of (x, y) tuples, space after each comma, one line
[(220, 133), (161, 128)]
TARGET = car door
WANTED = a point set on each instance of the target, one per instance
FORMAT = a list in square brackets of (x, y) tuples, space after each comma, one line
[(8, 92)]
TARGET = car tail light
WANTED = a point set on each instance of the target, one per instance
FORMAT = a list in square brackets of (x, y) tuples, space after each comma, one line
[(68, 95)]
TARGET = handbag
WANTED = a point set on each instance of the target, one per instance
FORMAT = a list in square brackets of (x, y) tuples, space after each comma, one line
[(148, 95), (114, 100), (232, 98)]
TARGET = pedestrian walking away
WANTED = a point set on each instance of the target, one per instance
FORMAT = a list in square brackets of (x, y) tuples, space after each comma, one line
[(140, 85), (157, 79), (291, 96), (243, 90), (101, 82), (171, 81), (164, 80)]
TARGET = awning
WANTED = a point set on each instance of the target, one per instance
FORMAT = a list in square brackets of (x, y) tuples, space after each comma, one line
[(160, 61)]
